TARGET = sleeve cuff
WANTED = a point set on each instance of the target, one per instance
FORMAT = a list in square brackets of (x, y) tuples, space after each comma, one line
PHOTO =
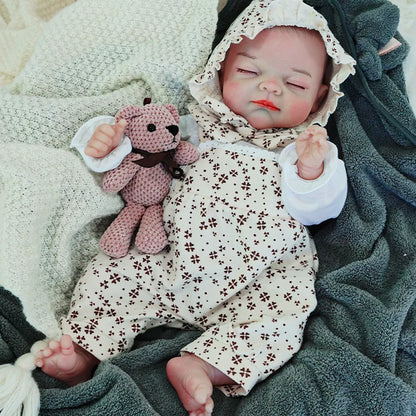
[(287, 161), (312, 202)]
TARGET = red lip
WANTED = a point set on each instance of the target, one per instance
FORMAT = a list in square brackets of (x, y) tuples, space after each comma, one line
[(266, 104)]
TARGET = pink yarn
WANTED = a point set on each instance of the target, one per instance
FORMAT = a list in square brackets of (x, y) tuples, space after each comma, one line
[(152, 128)]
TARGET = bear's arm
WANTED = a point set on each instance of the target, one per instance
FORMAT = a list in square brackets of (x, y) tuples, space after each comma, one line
[(186, 153), (116, 179)]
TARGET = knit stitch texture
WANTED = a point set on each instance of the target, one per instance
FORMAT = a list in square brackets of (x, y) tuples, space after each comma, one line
[(21, 23)]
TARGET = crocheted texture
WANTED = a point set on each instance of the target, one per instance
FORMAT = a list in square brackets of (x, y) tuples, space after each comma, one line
[(151, 128), (91, 58)]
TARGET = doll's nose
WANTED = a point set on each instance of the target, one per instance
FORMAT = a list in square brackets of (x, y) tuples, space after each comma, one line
[(271, 86), (173, 129)]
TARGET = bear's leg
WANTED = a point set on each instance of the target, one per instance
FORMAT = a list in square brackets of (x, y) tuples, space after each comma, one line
[(116, 240), (151, 237)]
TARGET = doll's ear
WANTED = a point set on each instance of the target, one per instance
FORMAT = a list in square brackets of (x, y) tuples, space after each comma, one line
[(174, 111), (128, 112)]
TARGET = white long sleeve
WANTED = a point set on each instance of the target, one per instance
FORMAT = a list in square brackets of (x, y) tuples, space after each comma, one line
[(313, 201)]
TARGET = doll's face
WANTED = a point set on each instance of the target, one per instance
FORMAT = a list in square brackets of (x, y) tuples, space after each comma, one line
[(276, 79)]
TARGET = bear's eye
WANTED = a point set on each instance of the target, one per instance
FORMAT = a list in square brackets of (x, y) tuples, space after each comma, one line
[(151, 127)]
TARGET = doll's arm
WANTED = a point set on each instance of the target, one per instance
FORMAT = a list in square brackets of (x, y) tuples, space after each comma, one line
[(313, 201), (186, 153), (116, 179)]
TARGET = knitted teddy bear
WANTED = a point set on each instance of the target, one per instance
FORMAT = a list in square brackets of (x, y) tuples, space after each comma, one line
[(143, 178)]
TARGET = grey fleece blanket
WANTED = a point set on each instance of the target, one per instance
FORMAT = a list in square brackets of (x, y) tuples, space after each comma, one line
[(359, 352)]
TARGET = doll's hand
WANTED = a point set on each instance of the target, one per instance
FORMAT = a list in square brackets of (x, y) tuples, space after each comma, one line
[(105, 139), (311, 147)]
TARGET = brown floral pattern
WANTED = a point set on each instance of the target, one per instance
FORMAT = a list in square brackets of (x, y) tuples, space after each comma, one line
[(238, 267)]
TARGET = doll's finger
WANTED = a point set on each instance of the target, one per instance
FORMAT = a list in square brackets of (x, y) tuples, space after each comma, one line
[(92, 152), (99, 142), (317, 131), (304, 136), (119, 128), (102, 137), (97, 148)]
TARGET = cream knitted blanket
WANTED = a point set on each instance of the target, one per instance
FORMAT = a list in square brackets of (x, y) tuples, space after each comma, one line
[(92, 57), (21, 22)]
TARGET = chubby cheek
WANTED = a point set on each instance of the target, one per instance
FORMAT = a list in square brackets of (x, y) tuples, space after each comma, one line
[(232, 96), (299, 111)]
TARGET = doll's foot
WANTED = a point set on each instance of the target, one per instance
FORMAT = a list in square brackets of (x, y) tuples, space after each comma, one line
[(193, 380), (66, 361)]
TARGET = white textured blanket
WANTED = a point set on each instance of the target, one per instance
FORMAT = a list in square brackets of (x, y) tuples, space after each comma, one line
[(92, 57)]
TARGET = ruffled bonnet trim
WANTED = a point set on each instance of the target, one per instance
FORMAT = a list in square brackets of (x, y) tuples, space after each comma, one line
[(259, 15)]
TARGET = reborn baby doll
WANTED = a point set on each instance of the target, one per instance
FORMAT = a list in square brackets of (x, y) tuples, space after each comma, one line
[(241, 264)]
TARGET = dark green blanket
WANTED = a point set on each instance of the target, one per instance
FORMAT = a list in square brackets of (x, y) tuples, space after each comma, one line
[(359, 352)]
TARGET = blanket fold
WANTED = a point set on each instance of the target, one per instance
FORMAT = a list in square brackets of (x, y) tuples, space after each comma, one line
[(359, 352)]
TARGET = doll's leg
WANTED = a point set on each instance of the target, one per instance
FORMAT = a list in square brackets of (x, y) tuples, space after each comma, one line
[(116, 240), (110, 306), (151, 237), (260, 328)]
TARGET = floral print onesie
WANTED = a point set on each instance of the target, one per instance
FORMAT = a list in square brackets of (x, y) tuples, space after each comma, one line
[(238, 267)]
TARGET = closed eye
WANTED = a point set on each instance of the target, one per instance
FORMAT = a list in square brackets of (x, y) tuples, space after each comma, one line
[(297, 86), (246, 71)]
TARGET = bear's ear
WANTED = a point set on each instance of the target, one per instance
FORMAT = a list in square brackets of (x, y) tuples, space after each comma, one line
[(174, 111), (128, 112)]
